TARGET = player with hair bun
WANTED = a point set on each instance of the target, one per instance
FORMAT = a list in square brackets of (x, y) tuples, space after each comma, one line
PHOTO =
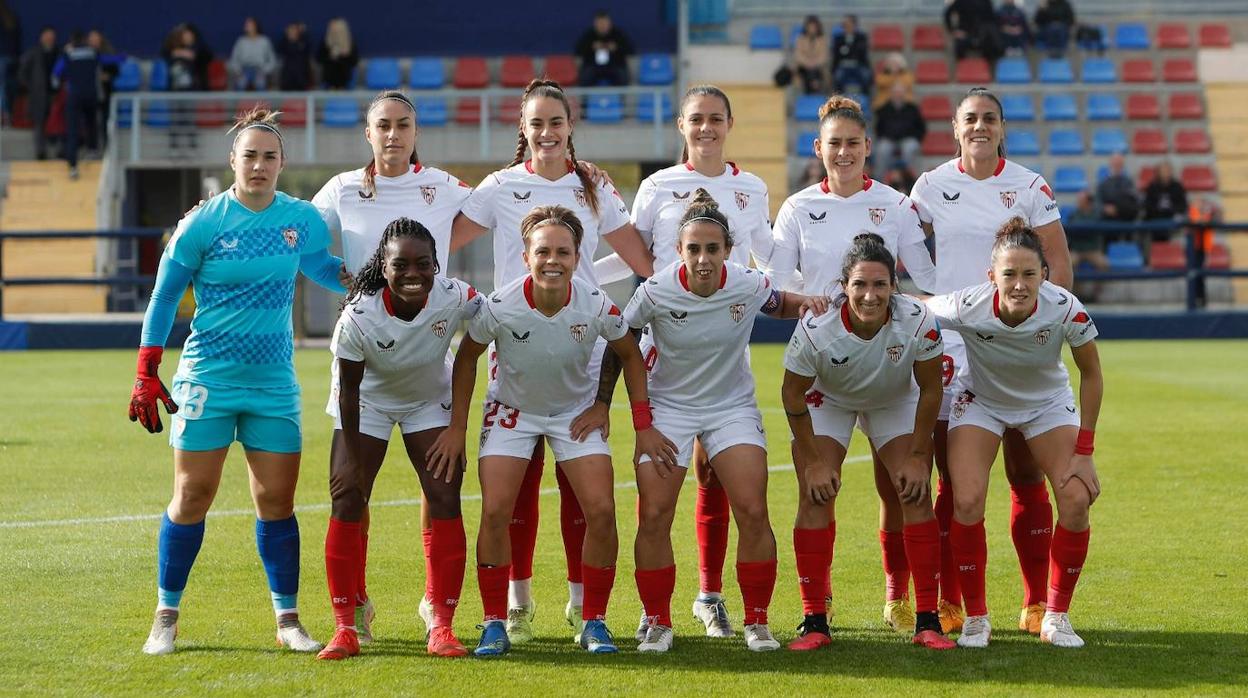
[(242, 251), (1013, 327), (391, 345), (863, 361), (814, 230), (545, 172), (544, 326)]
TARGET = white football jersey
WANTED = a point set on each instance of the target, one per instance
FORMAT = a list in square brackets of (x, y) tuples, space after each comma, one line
[(742, 197), (862, 374), (815, 228), (543, 362), (1020, 367), (504, 198), (701, 363), (405, 362), (424, 194), (966, 213)]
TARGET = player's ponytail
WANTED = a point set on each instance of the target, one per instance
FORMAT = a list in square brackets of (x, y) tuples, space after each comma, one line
[(370, 279), (868, 247), (703, 207), (701, 91), (258, 117), (545, 87), (1016, 234), (841, 107), (369, 182), (542, 216)]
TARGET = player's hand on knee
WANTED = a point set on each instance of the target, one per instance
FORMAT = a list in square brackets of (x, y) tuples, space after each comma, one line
[(446, 455), (1084, 470), (596, 416), (148, 390), (822, 482), (661, 451), (913, 481)]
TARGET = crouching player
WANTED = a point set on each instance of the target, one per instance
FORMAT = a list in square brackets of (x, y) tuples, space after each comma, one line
[(544, 327), (391, 346), (1014, 326), (864, 359)]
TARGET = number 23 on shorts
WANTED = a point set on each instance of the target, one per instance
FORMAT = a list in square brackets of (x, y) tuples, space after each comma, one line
[(506, 421), (190, 399)]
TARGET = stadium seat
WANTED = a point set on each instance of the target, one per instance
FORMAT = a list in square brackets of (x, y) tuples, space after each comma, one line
[(471, 72), (1215, 36), (804, 146), (1060, 107), (213, 114), (1069, 179), (864, 101), (129, 77), (562, 69), (1179, 70), (1013, 71), (1149, 141), (507, 109), (972, 71), (516, 71), (432, 111), (1131, 36), (1064, 141), (125, 113), (806, 108), (1167, 256), (157, 114), (1107, 141), (645, 107), (766, 37), (341, 113), (158, 81), (1104, 107), (932, 71), (1101, 173), (1138, 70), (1142, 178), (1018, 108), (887, 37), (1192, 140), (294, 112), (1124, 256), (1218, 257), (468, 111), (928, 37), (1090, 42), (1143, 106), (426, 74), (218, 76), (1173, 35), (939, 143), (1066, 212), (655, 69), (1056, 71), (382, 74), (1099, 71), (1199, 178), (605, 109), (1185, 105), (936, 108), (1021, 142)]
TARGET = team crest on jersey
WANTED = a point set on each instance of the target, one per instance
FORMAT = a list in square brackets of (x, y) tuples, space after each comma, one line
[(736, 311), (429, 194), (742, 198), (579, 331), (1008, 198), (894, 353), (439, 328), (1042, 337), (877, 215), (291, 236), (579, 193)]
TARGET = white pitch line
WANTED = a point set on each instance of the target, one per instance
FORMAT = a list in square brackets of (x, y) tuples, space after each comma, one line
[(124, 518)]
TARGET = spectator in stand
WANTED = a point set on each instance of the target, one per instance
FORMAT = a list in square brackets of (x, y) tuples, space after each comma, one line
[(1164, 199), (295, 53), (78, 69), (1013, 27), (604, 52), (851, 60), (1116, 195), (892, 71), (1054, 20), (899, 130), (338, 55), (1086, 249), (35, 75), (973, 26), (811, 56), (1202, 210), (10, 53), (252, 61), (188, 58)]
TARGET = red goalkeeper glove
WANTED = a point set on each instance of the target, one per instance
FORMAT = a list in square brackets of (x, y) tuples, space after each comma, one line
[(147, 390)]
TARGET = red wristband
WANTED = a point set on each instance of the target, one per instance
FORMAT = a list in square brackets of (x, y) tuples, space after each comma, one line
[(149, 360), (1083, 444), (643, 419)]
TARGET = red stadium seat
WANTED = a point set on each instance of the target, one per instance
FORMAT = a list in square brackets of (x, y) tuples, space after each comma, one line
[(507, 111), (1149, 141), (471, 72), (1179, 70), (1192, 140), (1167, 256), (1143, 107), (294, 112), (218, 76), (1173, 35), (933, 71), (1215, 36), (973, 71), (936, 108), (1185, 105), (516, 71), (1138, 70), (1199, 178), (928, 37), (21, 113), (1218, 257), (939, 143), (468, 111), (213, 114), (1145, 177), (888, 37), (561, 69)]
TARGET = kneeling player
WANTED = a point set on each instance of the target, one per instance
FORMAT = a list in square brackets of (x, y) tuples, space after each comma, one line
[(859, 359)]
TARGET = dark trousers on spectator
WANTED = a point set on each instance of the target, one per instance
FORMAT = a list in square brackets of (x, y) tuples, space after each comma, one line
[(80, 114), (593, 75)]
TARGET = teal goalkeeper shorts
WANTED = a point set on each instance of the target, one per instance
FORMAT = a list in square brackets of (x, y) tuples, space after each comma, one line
[(262, 419)]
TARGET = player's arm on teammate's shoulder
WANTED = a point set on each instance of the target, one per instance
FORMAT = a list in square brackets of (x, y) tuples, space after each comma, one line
[(788, 305), (628, 243), (1057, 253), (464, 230)]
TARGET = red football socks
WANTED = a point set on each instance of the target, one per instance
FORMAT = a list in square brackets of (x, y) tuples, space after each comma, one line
[(896, 568), (448, 555), (571, 525), (970, 552), (813, 547), (831, 554), (426, 537), (1031, 527), (493, 584), (950, 588), (598, 583), (361, 589), (523, 529), (342, 564), (922, 545), (711, 519), (757, 581), (655, 587), (1067, 556)]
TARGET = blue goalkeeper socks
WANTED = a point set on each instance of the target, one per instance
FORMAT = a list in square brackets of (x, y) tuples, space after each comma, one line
[(278, 544), (177, 547)]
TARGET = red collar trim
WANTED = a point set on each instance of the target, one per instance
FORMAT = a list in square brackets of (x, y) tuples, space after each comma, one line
[(849, 327), (528, 293), (866, 183), (735, 170), (387, 301), (996, 305), (417, 167), (1000, 167), (528, 166), (683, 274)]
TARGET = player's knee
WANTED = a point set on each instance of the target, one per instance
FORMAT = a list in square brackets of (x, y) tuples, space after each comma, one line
[(1073, 502), (752, 516), (443, 500), (192, 499), (653, 519), (968, 506), (599, 513), (495, 517), (347, 503)]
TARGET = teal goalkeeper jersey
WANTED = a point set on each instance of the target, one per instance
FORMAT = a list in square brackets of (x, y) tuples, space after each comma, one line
[(244, 266)]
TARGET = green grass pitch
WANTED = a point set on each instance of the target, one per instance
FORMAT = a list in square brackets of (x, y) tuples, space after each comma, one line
[(1161, 601)]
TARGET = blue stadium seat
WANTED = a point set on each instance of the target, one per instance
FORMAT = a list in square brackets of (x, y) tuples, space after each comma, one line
[(157, 114), (806, 143), (427, 74), (1021, 142), (125, 113), (704, 12), (1104, 107), (1060, 107), (1102, 173), (1099, 70), (1131, 36), (1069, 179), (656, 69), (382, 74), (1018, 108), (766, 37), (1124, 256), (1064, 141), (1056, 71), (129, 77), (605, 109), (1067, 211), (341, 113), (158, 81), (645, 107), (432, 112), (806, 108), (863, 101), (1014, 71), (1107, 141)]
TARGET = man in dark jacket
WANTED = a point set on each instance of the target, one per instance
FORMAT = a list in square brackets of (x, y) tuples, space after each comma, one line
[(604, 51), (79, 70), (899, 130), (35, 74), (973, 26), (1116, 194), (851, 60)]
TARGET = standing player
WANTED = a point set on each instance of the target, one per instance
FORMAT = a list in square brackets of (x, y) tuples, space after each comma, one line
[(242, 251), (963, 203), (551, 176), (391, 346), (1013, 327), (863, 361), (704, 122), (357, 206), (543, 326), (814, 230)]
